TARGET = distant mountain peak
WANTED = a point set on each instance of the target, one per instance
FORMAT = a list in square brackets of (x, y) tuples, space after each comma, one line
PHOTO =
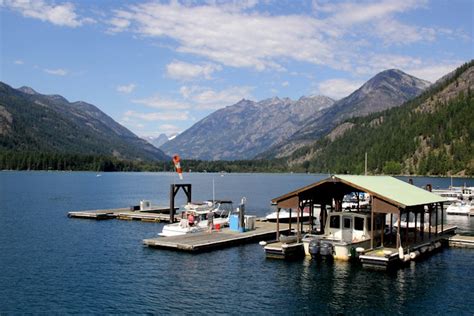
[(385, 90), (28, 90), (245, 129)]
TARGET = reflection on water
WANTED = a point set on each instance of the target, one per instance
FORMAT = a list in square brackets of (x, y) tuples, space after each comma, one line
[(51, 263)]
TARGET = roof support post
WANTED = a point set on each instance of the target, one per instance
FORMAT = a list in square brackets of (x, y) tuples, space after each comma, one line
[(289, 221), (382, 228), (391, 228), (436, 221), (278, 224), (430, 209), (372, 228), (416, 217), (422, 228), (399, 240), (406, 229), (322, 217), (300, 211), (442, 218)]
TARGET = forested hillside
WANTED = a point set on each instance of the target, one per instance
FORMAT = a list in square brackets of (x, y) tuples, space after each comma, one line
[(430, 135), (31, 122)]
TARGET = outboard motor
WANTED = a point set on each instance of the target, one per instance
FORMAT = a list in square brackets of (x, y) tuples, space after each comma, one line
[(314, 247), (325, 249)]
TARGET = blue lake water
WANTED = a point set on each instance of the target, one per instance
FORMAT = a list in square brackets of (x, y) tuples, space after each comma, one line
[(51, 263)]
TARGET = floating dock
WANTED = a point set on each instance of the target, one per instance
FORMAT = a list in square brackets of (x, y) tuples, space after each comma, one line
[(388, 257), (461, 241), (154, 214), (204, 241)]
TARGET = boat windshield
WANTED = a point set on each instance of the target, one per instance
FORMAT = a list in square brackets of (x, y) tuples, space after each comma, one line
[(223, 209)]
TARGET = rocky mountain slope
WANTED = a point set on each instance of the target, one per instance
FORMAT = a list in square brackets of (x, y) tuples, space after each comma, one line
[(431, 134), (30, 121), (245, 129), (385, 90)]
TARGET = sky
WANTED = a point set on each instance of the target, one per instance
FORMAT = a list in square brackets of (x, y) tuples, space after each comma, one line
[(161, 66)]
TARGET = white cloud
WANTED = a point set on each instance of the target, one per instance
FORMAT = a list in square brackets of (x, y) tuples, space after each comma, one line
[(285, 84), (235, 34), (61, 14), (128, 88), (169, 129), (157, 116), (56, 72), (186, 71), (18, 62), (351, 13), (338, 88), (375, 63), (207, 98), (392, 32), (228, 37), (158, 102), (432, 72)]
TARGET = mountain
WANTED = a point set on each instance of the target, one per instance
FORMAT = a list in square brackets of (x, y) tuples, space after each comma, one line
[(385, 90), (30, 121), (431, 134), (245, 129), (157, 141)]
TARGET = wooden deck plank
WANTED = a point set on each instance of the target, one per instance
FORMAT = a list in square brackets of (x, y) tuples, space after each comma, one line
[(204, 241), (154, 214)]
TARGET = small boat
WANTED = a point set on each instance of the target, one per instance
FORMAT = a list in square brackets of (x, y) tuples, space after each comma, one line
[(221, 209), (356, 201), (284, 216), (452, 194), (286, 248), (344, 233), (459, 208)]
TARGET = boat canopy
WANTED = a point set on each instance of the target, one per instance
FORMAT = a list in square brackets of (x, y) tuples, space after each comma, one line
[(388, 193)]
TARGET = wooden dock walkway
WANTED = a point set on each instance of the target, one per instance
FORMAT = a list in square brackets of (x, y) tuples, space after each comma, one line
[(155, 214), (203, 241)]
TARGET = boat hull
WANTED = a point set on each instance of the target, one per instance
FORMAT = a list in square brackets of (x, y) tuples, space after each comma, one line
[(336, 249)]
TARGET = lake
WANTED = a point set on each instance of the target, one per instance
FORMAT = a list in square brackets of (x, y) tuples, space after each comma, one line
[(50, 263)]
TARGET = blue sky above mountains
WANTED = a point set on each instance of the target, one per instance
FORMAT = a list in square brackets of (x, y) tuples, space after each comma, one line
[(161, 66)]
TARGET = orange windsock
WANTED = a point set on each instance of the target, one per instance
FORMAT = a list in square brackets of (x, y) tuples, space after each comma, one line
[(177, 166)]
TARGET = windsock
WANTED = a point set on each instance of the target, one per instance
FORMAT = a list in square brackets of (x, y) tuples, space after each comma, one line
[(177, 165)]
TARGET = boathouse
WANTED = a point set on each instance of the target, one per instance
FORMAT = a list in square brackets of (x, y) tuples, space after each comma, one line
[(389, 197)]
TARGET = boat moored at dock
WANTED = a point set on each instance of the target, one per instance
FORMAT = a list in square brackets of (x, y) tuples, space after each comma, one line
[(198, 212), (344, 233), (459, 208)]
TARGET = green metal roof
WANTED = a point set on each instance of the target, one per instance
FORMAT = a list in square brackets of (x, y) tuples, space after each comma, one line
[(392, 189)]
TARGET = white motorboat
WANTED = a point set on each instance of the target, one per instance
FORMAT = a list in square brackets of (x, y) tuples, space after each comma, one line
[(459, 208), (452, 194), (356, 201), (221, 209), (284, 216), (344, 232)]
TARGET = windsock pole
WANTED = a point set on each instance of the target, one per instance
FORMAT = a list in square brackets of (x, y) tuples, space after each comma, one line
[(177, 165)]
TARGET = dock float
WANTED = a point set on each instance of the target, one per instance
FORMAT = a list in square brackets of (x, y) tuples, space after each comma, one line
[(461, 241), (156, 214), (204, 241)]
